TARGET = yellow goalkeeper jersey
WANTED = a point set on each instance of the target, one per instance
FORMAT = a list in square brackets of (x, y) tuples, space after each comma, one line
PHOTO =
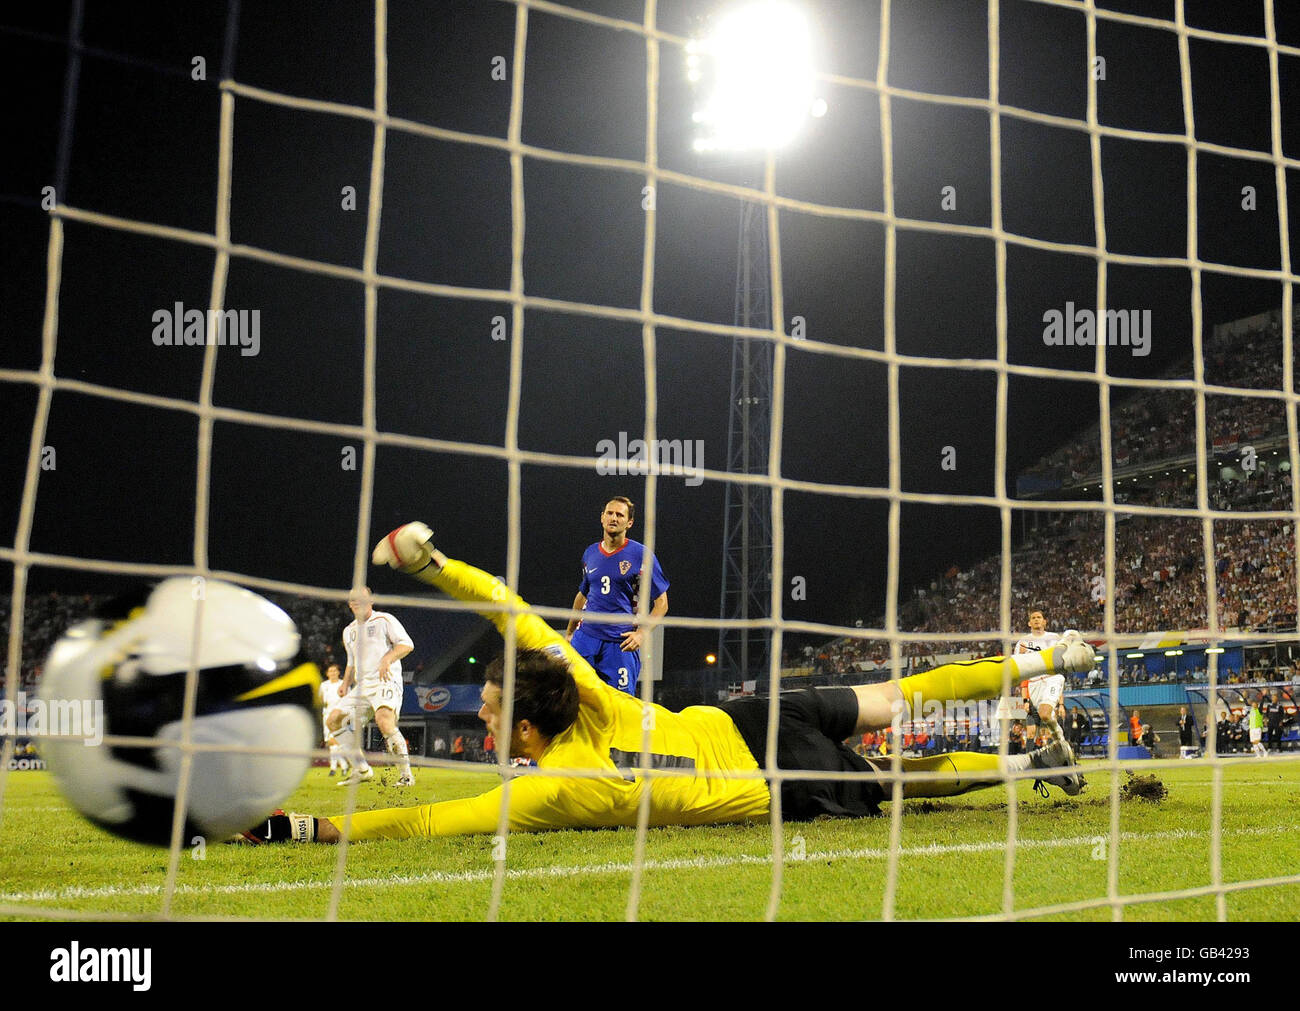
[(607, 736)]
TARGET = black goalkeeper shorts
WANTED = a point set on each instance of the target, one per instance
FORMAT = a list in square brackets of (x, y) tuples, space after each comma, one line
[(811, 729)]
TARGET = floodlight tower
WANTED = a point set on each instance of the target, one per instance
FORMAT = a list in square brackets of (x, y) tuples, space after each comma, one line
[(747, 532), (754, 74)]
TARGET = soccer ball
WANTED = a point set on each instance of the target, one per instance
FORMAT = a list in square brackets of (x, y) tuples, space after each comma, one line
[(132, 672)]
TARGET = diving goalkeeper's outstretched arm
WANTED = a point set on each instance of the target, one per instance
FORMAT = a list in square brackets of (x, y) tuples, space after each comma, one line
[(532, 801), (410, 549)]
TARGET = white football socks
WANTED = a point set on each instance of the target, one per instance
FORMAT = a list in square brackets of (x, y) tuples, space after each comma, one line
[(397, 746), (347, 738)]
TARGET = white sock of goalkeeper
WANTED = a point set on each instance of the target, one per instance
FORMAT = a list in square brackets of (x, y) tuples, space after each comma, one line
[(347, 738), (397, 746)]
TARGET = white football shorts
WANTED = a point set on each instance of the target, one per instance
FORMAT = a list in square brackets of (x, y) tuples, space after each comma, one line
[(361, 702), (1044, 689)]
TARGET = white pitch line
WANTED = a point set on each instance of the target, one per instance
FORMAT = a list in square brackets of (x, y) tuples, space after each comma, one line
[(1238, 782), (559, 871)]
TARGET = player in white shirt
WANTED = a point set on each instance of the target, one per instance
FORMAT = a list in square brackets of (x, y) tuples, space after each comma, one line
[(1044, 691), (372, 685), (330, 694)]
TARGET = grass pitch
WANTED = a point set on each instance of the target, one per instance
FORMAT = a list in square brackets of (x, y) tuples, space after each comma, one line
[(952, 860)]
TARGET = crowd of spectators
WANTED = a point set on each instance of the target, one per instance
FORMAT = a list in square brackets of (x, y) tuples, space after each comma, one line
[(940, 735), (1159, 585), (921, 736), (1086, 731), (1159, 560), (1148, 426), (45, 618)]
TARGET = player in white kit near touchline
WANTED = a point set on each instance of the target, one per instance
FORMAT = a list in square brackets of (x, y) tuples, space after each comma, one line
[(1044, 691), (372, 685)]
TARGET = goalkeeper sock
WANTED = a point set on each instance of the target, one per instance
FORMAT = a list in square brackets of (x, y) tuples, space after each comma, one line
[(956, 763), (397, 746), (974, 680), (1031, 664)]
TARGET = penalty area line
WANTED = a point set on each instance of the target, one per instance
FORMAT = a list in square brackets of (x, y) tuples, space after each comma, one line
[(610, 867)]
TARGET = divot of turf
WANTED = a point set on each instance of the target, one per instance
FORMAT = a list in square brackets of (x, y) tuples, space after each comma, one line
[(1147, 788)]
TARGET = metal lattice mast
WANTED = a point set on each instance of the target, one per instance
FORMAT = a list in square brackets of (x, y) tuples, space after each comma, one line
[(747, 533)]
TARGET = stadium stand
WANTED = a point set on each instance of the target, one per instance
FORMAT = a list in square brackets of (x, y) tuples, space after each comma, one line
[(1159, 584)]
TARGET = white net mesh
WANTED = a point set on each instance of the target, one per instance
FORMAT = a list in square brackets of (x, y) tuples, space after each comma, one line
[(49, 380)]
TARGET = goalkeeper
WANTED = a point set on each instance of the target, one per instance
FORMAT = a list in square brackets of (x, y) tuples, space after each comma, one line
[(566, 717)]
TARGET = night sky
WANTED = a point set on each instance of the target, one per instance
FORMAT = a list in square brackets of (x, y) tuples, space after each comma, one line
[(144, 145)]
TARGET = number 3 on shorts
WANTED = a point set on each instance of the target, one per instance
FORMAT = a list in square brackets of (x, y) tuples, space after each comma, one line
[(622, 677)]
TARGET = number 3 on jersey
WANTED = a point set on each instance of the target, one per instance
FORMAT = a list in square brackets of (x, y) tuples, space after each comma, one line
[(604, 584)]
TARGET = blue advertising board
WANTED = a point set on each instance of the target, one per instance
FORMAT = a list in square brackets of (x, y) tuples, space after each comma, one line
[(443, 700)]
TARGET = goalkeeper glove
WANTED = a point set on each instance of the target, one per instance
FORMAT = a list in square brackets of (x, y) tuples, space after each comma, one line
[(409, 548)]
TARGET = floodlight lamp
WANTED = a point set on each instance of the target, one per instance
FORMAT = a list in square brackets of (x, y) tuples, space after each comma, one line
[(754, 76)]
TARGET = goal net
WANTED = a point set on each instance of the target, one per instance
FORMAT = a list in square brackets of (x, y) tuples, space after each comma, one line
[(1031, 346)]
